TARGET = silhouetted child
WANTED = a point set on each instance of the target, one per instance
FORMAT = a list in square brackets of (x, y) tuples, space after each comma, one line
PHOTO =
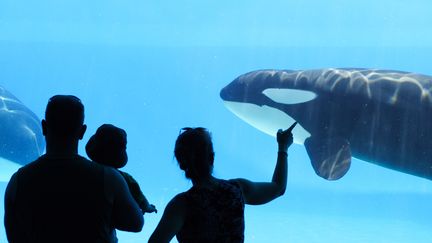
[(108, 147)]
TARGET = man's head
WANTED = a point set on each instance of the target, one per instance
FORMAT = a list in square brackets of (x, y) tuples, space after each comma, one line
[(64, 118)]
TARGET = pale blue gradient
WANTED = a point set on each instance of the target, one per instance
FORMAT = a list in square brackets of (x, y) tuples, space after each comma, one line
[(152, 67)]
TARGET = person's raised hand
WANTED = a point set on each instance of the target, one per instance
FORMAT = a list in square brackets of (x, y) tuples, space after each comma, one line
[(285, 138), (150, 209)]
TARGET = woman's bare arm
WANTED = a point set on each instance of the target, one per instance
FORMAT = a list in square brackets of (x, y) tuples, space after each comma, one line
[(171, 222), (256, 193)]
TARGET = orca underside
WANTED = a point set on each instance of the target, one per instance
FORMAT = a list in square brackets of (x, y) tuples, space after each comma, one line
[(380, 116), (21, 139)]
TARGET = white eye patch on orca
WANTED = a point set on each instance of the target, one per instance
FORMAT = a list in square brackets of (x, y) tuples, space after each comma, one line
[(289, 96)]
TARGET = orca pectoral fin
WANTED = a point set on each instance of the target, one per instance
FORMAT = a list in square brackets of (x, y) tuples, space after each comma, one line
[(330, 158)]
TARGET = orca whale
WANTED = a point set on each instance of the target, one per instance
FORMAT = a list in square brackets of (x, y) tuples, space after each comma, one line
[(21, 138), (379, 116)]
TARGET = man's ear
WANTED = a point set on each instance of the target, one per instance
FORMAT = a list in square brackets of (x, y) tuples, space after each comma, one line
[(44, 127), (83, 130), (212, 158)]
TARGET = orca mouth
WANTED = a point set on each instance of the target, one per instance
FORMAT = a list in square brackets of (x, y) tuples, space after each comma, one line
[(266, 119), (233, 92), (226, 94), (259, 108), (237, 92)]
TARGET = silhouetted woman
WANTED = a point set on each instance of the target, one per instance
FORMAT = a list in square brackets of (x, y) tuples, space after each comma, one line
[(213, 209)]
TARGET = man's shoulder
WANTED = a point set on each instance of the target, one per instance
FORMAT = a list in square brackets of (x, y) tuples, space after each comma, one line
[(31, 164), (127, 177), (46, 162), (112, 173)]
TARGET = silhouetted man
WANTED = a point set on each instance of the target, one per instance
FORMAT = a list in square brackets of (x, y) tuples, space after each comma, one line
[(63, 197)]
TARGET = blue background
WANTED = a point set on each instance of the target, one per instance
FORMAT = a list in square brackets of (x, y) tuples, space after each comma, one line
[(152, 67)]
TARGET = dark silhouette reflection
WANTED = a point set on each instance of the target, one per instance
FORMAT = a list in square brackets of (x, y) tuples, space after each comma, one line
[(63, 197), (108, 147), (213, 209)]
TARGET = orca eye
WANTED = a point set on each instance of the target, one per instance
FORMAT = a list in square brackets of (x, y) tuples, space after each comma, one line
[(289, 96)]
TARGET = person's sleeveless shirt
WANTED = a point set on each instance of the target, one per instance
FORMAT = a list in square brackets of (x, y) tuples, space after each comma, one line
[(213, 215), (63, 200)]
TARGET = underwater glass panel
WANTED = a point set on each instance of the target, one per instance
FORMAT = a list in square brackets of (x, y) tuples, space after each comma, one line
[(153, 67)]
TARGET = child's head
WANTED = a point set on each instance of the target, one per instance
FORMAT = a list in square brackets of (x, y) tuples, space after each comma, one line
[(108, 146)]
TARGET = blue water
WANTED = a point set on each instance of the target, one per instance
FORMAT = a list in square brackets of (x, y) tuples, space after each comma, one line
[(152, 67)]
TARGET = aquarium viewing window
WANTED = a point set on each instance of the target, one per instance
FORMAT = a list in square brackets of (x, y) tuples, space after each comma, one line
[(355, 75)]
